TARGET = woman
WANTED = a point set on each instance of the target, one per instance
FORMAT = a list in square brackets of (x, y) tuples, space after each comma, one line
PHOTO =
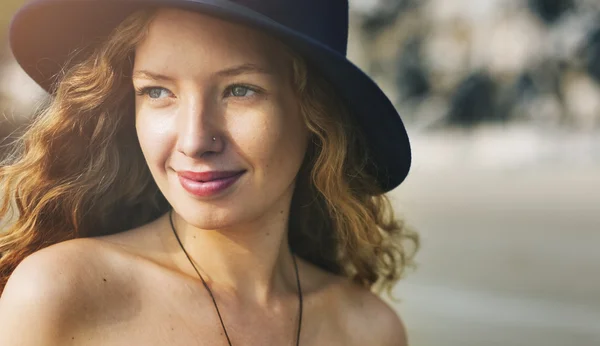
[(207, 173)]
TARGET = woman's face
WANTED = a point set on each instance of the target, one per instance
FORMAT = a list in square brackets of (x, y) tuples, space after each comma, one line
[(217, 119)]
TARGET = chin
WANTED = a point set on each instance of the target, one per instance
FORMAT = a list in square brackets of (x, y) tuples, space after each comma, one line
[(213, 216), (209, 223)]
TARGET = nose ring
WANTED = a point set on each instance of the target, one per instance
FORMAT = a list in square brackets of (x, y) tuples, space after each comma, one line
[(214, 139)]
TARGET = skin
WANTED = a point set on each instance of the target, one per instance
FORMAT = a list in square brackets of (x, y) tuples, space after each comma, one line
[(137, 287)]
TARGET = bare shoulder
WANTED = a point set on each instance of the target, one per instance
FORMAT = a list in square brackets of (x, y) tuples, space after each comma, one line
[(65, 271), (366, 318), (363, 317), (54, 271), (373, 321), (50, 289)]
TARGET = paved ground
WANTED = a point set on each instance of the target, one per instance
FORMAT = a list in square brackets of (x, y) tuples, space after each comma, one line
[(510, 222)]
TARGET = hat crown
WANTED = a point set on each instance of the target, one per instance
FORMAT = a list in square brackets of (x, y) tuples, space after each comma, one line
[(323, 20)]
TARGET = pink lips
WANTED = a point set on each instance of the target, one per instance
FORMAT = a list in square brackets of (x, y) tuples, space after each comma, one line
[(206, 184)]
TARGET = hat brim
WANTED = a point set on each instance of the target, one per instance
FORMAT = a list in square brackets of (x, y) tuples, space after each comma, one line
[(43, 34)]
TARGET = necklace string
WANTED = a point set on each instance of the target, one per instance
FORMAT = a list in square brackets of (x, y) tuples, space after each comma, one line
[(300, 300)]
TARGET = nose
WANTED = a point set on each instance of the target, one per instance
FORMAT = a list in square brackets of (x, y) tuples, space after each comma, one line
[(199, 133)]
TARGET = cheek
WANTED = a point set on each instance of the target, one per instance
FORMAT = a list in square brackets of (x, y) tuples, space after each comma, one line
[(154, 135), (275, 146)]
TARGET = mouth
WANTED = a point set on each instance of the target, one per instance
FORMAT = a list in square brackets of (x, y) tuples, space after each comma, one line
[(208, 184), (208, 176)]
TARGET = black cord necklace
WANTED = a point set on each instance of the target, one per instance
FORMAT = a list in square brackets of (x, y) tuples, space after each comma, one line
[(213, 297)]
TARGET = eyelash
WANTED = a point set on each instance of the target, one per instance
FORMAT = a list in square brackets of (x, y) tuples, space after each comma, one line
[(146, 90), (230, 88)]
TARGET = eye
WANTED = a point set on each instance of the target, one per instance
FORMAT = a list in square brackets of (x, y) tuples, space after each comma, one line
[(239, 90), (154, 93)]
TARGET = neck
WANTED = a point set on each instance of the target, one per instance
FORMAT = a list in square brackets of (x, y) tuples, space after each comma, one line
[(252, 262)]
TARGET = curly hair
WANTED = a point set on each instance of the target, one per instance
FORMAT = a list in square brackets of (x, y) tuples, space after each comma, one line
[(78, 171)]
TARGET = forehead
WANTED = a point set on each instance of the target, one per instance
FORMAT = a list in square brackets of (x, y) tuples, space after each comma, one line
[(180, 39)]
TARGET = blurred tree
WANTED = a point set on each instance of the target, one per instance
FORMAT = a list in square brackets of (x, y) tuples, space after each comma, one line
[(383, 13), (412, 79), (551, 10), (474, 101), (592, 55)]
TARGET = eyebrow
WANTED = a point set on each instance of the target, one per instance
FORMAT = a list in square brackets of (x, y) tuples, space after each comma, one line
[(150, 75), (243, 69), (228, 72)]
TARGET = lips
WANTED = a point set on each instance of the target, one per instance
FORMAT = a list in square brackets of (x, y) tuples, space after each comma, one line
[(208, 184), (208, 176)]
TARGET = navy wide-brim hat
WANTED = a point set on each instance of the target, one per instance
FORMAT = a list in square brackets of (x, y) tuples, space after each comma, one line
[(44, 33)]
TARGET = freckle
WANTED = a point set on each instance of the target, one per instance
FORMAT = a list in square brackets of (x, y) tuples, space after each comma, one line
[(268, 234), (104, 279), (194, 237), (281, 212), (172, 328), (73, 338)]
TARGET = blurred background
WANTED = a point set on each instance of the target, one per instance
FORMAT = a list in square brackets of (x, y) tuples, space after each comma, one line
[(502, 102)]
